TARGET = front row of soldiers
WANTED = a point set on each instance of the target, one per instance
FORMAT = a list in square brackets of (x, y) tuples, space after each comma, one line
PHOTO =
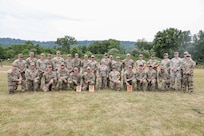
[(48, 76)]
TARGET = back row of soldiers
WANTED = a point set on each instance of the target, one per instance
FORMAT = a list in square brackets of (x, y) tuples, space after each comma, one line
[(56, 73)]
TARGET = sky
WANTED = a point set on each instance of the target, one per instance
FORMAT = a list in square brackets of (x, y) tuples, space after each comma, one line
[(127, 20)]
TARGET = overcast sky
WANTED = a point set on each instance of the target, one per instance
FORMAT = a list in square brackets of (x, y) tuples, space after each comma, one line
[(44, 20)]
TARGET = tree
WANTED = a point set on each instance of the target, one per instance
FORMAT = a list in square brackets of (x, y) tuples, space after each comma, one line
[(2, 53), (186, 41), (144, 46), (65, 43), (168, 40)]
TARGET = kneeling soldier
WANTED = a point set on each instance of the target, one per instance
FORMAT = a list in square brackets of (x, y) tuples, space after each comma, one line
[(14, 79), (141, 78), (32, 78), (49, 79), (129, 78), (163, 77), (87, 79), (114, 78), (62, 75), (74, 79), (151, 78)]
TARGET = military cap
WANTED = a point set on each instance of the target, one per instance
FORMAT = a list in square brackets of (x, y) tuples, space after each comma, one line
[(106, 54), (140, 55), (76, 54), (49, 55), (113, 67), (49, 66), (92, 56), (88, 68), (188, 55), (117, 57), (32, 53), (111, 56), (14, 64), (85, 55), (152, 55), (141, 65), (150, 66), (42, 54), (166, 54), (185, 53), (128, 54), (32, 64), (68, 55), (62, 64), (20, 55), (129, 66), (75, 69), (58, 52), (176, 52)]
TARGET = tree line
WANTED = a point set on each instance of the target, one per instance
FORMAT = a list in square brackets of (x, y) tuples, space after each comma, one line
[(165, 41)]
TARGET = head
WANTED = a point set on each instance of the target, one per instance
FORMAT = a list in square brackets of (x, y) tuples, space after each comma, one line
[(184, 54), (153, 57), (166, 55), (86, 57), (106, 55), (102, 63), (49, 56), (49, 68), (188, 57), (92, 57), (14, 66), (76, 56), (20, 56), (88, 69), (69, 56), (76, 70), (162, 69), (150, 67), (128, 56), (32, 66), (113, 68), (58, 54), (140, 67), (42, 55), (140, 56), (62, 66), (176, 54), (111, 57), (117, 58), (129, 68), (31, 54)]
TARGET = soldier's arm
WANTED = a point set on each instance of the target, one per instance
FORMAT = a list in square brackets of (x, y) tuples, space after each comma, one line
[(11, 77)]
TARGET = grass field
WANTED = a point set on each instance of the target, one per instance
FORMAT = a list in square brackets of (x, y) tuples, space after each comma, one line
[(102, 113)]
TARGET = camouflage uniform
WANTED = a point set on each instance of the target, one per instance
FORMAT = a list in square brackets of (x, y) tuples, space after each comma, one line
[(126, 63), (68, 64), (49, 80), (151, 79), (30, 60), (141, 78), (129, 78), (188, 67), (62, 76), (84, 64), (88, 78), (175, 64), (140, 62), (118, 65), (163, 77), (57, 61), (14, 79), (74, 79), (76, 63), (32, 79), (102, 76), (93, 64), (49, 61), (114, 77)]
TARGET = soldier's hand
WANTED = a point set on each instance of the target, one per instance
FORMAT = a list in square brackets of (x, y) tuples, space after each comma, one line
[(65, 80), (141, 80), (51, 81)]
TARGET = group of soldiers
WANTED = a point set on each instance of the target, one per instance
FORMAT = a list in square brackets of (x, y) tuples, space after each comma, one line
[(50, 74)]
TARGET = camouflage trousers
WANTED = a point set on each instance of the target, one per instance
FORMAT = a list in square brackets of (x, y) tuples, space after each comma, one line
[(174, 76), (32, 85), (142, 86), (73, 84), (85, 86), (40, 79), (131, 82), (152, 85), (164, 85), (115, 85), (12, 86), (62, 85), (49, 86), (102, 82), (187, 82)]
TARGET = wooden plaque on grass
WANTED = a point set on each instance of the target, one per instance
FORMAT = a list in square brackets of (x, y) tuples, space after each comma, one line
[(129, 88), (78, 88), (91, 88)]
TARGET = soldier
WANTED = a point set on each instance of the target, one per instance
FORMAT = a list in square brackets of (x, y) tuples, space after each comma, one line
[(175, 71), (68, 63), (127, 62), (141, 78), (49, 61), (14, 79), (93, 64), (114, 77), (129, 77), (102, 75), (112, 61), (32, 78), (76, 62), (41, 66), (118, 65), (188, 67), (140, 62), (163, 77), (155, 65), (88, 78), (21, 66), (31, 59), (62, 75), (107, 62), (57, 61), (151, 78), (84, 63), (49, 79), (74, 79)]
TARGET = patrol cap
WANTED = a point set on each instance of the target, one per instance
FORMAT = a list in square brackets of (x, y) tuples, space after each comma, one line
[(32, 53), (76, 54), (152, 55), (32, 64), (113, 67), (106, 54), (117, 57), (85, 55), (150, 66), (129, 66), (188, 55), (141, 65), (68, 55), (58, 52), (20, 55), (62, 64), (88, 68), (128, 54), (140, 55), (111, 56), (166, 54), (176, 52), (185, 53), (75, 69), (49, 66), (42, 54), (14, 64), (92, 56), (49, 55)]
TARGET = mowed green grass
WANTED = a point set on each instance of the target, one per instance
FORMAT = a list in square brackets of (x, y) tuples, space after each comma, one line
[(102, 113)]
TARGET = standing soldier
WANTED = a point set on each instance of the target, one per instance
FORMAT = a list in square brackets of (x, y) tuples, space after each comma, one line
[(175, 71), (127, 62), (49, 61), (165, 63), (151, 78), (112, 61), (93, 64), (114, 77), (183, 61), (163, 77), (155, 65), (141, 78), (31, 59), (129, 78), (140, 62), (88, 78), (74, 79), (68, 63), (62, 75), (32, 78), (76, 62), (188, 67), (49, 79), (41, 66), (102, 75), (107, 62), (84, 63), (14, 79), (57, 61), (118, 65), (21, 66)]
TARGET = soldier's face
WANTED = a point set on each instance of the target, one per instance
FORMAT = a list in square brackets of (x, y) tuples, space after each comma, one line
[(76, 56), (49, 69), (176, 55), (31, 55), (76, 71), (150, 68), (58, 54), (88, 70), (85, 58), (128, 57), (141, 68), (20, 58), (42, 56), (62, 66), (140, 57), (153, 57), (32, 67), (165, 57), (49, 57), (106, 56), (92, 58), (130, 69), (14, 67)]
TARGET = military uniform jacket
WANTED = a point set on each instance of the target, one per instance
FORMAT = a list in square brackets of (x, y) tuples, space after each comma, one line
[(176, 64), (93, 65), (50, 62), (31, 74), (13, 76), (41, 65), (47, 76), (75, 77), (31, 60), (118, 66), (103, 71), (129, 75), (140, 62), (22, 65), (188, 66), (141, 74), (76, 63), (166, 64), (107, 63), (113, 75), (57, 61), (69, 65), (127, 63), (163, 75), (63, 73), (88, 77), (152, 62), (151, 74), (84, 63)]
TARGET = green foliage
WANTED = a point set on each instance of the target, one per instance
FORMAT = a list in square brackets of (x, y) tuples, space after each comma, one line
[(75, 49), (65, 43), (113, 51), (2, 55)]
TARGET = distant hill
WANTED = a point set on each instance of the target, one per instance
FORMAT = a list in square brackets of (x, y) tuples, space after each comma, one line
[(10, 41)]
